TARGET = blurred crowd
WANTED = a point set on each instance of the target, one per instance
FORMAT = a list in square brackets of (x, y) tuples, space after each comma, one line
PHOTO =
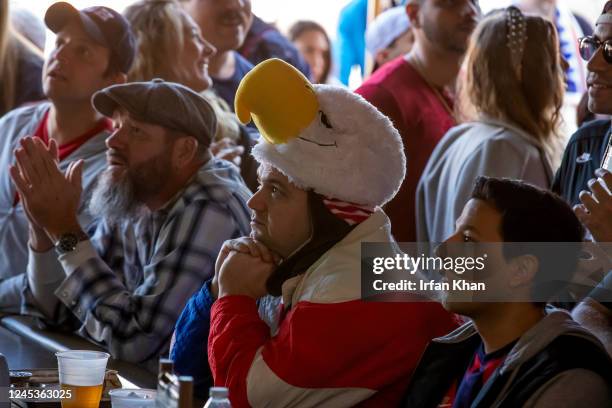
[(184, 179)]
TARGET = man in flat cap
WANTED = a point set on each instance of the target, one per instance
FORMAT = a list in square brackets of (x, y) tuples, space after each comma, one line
[(164, 208), (94, 48)]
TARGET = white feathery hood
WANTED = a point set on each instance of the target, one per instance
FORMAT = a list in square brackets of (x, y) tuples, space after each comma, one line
[(349, 151)]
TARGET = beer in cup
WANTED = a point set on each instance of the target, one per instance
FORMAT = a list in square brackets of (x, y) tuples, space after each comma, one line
[(81, 376)]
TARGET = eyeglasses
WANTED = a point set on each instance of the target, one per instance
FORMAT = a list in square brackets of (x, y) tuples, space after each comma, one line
[(590, 45)]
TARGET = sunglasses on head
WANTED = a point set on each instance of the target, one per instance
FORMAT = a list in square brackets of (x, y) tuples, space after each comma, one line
[(589, 46)]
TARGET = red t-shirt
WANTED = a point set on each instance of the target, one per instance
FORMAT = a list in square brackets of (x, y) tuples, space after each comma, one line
[(416, 110), (68, 148)]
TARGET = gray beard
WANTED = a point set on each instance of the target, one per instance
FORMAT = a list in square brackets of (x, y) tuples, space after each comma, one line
[(115, 201)]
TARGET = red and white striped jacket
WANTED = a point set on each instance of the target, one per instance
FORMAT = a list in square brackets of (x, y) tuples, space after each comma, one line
[(331, 349)]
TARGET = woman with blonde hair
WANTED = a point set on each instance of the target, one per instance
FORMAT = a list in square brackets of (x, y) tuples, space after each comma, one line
[(20, 66), (509, 100), (170, 46)]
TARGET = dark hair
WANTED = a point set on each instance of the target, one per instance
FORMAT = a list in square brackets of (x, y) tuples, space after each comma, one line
[(530, 214), (303, 26), (607, 7)]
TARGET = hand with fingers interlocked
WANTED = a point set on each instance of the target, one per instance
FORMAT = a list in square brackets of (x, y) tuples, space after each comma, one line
[(50, 198), (243, 267), (595, 210)]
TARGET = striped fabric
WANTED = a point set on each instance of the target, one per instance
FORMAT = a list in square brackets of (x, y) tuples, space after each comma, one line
[(128, 284), (478, 373), (349, 212)]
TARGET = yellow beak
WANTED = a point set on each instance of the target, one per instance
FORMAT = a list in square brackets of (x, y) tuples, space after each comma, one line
[(279, 99)]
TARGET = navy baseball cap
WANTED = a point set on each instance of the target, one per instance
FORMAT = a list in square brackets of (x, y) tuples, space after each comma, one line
[(104, 25)]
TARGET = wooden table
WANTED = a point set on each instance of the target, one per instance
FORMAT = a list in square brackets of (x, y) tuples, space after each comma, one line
[(26, 346)]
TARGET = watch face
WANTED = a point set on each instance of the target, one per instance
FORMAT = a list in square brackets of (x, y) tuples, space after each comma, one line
[(67, 243)]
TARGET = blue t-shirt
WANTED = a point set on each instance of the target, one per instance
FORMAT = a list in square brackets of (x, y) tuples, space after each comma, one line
[(482, 367), (190, 352), (226, 88), (350, 43)]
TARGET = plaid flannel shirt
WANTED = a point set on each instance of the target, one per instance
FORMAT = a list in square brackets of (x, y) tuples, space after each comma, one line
[(127, 285)]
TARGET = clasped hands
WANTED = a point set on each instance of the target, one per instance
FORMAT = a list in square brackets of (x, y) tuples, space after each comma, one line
[(49, 197), (242, 268)]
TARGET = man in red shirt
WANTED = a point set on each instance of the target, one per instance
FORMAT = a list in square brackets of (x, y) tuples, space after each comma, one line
[(415, 90)]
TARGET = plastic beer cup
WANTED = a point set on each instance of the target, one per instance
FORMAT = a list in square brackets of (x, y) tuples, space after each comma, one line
[(133, 398), (81, 376)]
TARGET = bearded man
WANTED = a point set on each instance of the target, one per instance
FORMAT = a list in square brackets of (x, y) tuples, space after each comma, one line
[(163, 207)]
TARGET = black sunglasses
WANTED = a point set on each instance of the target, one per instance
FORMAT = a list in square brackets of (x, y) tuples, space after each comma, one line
[(590, 45)]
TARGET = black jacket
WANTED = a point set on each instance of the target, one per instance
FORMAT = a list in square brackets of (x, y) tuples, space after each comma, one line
[(583, 155), (540, 355)]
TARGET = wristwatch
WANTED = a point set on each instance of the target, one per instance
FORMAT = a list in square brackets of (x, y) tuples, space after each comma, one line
[(68, 242)]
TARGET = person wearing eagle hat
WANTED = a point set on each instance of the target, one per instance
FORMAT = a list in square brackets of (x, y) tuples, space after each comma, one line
[(328, 162)]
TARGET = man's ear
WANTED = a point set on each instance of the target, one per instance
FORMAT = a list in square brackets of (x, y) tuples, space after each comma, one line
[(412, 9), (184, 151), (524, 269)]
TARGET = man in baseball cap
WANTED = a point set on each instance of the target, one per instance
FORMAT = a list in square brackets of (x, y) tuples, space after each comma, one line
[(103, 25), (94, 48), (164, 207), (389, 36)]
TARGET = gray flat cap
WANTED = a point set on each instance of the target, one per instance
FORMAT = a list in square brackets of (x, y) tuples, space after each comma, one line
[(166, 104)]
